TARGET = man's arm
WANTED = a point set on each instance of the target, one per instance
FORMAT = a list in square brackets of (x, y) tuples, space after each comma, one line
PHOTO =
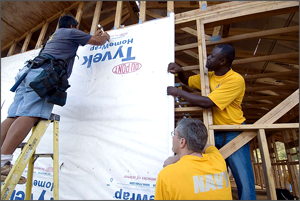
[(175, 68), (195, 100), (99, 38), (171, 160)]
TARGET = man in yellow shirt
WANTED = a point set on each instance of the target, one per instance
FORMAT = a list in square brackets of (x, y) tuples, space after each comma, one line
[(201, 172), (227, 91)]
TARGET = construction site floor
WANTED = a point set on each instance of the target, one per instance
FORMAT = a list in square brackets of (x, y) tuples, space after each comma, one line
[(261, 194)]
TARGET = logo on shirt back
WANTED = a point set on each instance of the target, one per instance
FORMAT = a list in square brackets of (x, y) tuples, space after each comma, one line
[(203, 183)]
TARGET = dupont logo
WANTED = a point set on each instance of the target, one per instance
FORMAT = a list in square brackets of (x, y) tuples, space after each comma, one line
[(128, 67)]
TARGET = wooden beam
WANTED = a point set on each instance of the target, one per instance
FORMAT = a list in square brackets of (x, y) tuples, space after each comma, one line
[(39, 26), (12, 49), (96, 17), (111, 18), (254, 127), (118, 14), (257, 98), (277, 87), (241, 37), (188, 109), (266, 163), (142, 16), (26, 42), (291, 169), (42, 35), (274, 57), (259, 10), (269, 118), (271, 75), (126, 17), (153, 15), (79, 12), (232, 10), (258, 34), (133, 14), (202, 5), (170, 7), (205, 89)]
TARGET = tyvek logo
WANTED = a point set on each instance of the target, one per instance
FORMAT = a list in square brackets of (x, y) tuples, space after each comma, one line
[(128, 67)]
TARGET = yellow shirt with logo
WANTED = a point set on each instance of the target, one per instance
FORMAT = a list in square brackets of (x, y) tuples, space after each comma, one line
[(227, 92), (195, 178)]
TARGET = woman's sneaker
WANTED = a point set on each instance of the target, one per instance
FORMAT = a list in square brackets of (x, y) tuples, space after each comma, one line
[(5, 171)]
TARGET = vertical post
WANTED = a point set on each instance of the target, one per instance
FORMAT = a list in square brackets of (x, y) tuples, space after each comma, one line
[(205, 90), (12, 48), (296, 171), (96, 17), (55, 160), (279, 174), (79, 12), (260, 182), (291, 170), (272, 158), (26, 42), (42, 35), (252, 159), (266, 163), (118, 14), (170, 7), (142, 17), (202, 5)]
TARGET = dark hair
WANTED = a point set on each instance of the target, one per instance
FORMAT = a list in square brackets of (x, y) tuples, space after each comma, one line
[(228, 52), (194, 132), (66, 21)]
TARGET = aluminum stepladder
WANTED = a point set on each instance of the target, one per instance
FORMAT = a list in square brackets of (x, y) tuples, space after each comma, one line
[(28, 156)]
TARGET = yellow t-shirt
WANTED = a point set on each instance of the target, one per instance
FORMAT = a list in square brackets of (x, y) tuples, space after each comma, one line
[(227, 92), (195, 178)]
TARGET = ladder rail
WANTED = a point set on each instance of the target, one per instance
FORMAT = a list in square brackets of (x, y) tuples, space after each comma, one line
[(18, 168)]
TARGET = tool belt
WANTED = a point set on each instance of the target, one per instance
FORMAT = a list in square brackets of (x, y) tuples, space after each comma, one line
[(52, 82)]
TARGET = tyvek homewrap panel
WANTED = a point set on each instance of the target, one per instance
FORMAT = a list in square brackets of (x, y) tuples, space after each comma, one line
[(114, 132)]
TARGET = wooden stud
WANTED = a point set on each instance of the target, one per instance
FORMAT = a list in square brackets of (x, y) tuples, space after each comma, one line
[(260, 182), (279, 174), (252, 159), (205, 90), (133, 15), (296, 139), (142, 17), (202, 5), (26, 42), (291, 168), (118, 14), (12, 49), (96, 17), (79, 12), (273, 160), (170, 7), (217, 31), (42, 35)]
